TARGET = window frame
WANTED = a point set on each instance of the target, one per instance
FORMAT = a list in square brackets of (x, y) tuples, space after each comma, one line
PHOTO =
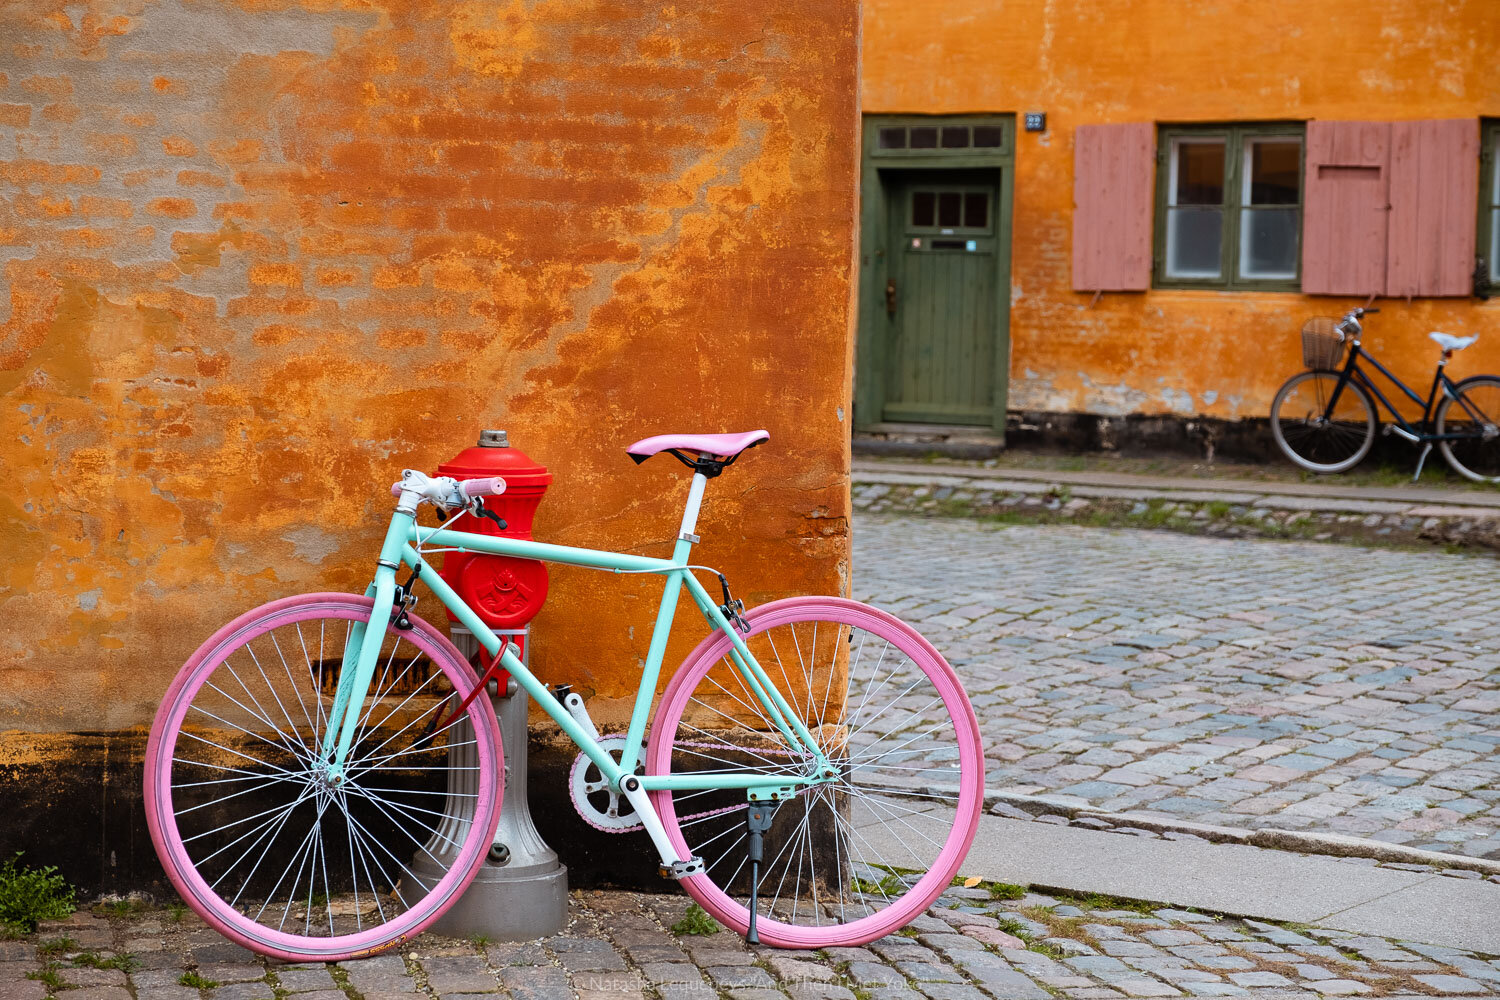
[(1489, 202), (1234, 137)]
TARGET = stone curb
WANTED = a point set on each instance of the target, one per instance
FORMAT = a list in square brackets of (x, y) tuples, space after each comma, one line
[(1473, 502), (1298, 841), (1230, 515), (1206, 493)]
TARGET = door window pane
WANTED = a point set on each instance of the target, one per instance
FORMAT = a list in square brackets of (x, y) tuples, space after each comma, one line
[(987, 136), (924, 137), (950, 209), (956, 137), (923, 208), (893, 138), (1197, 172), (976, 209), (1194, 239), (1268, 243)]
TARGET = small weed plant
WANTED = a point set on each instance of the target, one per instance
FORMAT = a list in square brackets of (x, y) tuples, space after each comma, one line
[(31, 895), (125, 963), (48, 976), (1014, 927), (695, 921), (55, 947), (196, 981), (1047, 948)]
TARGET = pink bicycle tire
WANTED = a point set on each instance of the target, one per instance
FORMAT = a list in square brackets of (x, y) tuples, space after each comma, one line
[(939, 876), (162, 823)]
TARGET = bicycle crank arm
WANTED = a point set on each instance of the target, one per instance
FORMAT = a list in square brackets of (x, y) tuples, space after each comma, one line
[(673, 865)]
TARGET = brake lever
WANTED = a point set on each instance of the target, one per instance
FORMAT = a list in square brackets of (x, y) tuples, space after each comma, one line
[(478, 509)]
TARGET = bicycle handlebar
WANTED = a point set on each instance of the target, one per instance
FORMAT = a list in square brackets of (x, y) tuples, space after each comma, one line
[(492, 487), (446, 491)]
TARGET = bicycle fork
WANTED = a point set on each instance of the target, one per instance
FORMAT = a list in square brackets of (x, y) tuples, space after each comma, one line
[(361, 655)]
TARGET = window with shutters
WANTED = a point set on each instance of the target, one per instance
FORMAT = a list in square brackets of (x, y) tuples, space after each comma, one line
[(1489, 203), (1228, 206)]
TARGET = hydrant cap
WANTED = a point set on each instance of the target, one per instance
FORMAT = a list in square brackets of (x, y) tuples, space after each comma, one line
[(493, 456)]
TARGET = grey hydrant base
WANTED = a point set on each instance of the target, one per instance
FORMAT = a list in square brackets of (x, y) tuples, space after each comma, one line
[(526, 897)]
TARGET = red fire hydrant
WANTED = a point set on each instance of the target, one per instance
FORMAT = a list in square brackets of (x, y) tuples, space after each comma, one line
[(506, 593), (521, 892)]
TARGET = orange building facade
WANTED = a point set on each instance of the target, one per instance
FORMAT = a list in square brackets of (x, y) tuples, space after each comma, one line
[(1020, 256), (257, 258)]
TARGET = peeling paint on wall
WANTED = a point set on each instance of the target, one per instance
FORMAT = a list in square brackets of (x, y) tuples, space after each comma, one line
[(259, 258)]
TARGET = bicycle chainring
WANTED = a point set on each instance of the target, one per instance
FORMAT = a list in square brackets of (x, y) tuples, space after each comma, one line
[(601, 806)]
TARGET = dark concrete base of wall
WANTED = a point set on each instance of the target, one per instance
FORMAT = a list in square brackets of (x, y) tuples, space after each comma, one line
[(1208, 438), (74, 800)]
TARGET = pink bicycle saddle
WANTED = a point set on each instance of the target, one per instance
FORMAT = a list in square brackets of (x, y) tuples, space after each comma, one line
[(721, 445)]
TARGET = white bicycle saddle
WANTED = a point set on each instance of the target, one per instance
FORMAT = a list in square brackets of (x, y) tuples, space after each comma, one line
[(1451, 343)]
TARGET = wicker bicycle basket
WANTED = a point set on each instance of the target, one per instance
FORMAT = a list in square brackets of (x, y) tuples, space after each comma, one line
[(1322, 343)]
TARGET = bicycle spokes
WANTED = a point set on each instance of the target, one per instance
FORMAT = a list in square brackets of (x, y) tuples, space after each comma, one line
[(843, 856), (272, 840)]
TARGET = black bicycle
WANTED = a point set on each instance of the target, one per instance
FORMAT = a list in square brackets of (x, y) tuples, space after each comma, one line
[(1325, 420)]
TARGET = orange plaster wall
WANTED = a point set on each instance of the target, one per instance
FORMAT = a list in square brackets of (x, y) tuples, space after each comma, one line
[(257, 257), (1187, 352)]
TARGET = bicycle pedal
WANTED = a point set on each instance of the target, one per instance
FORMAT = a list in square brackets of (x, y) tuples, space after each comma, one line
[(681, 869)]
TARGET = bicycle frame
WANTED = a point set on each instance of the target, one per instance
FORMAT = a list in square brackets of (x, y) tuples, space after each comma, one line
[(398, 550), (1418, 433)]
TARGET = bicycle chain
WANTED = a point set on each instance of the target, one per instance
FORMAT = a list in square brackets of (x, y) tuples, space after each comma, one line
[(582, 760)]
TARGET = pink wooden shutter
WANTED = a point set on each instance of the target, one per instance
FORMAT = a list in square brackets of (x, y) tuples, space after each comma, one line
[(1345, 208), (1434, 188), (1112, 195)]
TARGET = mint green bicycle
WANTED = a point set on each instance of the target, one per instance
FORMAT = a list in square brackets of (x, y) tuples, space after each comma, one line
[(813, 774)]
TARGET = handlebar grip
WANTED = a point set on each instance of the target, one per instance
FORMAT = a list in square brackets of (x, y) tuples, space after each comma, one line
[(396, 489), (491, 487), (1375, 310)]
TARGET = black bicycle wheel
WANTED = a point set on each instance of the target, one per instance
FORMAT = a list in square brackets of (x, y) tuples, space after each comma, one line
[(1474, 411), (1312, 437)]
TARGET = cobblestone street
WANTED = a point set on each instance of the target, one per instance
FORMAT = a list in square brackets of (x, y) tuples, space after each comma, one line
[(627, 946), (1231, 682)]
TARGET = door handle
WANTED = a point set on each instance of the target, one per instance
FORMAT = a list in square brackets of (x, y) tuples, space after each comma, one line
[(890, 298)]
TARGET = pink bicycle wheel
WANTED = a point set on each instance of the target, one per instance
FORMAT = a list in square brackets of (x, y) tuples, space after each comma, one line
[(856, 857), (255, 835)]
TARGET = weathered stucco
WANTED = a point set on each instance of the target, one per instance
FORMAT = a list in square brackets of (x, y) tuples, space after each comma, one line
[(1221, 354), (257, 257)]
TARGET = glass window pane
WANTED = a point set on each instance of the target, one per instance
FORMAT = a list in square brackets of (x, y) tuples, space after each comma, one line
[(976, 209), (949, 205), (1268, 242), (893, 138), (1495, 170), (956, 137), (987, 136), (924, 137), (1273, 174), (922, 208), (1194, 236), (1197, 172), (1495, 245)]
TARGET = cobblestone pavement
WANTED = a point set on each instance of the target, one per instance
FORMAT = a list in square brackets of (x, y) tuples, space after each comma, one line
[(1232, 682), (623, 946)]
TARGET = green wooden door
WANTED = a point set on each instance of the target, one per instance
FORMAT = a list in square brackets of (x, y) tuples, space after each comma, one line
[(943, 297)]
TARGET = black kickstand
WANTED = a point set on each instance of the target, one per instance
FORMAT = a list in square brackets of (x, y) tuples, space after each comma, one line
[(757, 822)]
